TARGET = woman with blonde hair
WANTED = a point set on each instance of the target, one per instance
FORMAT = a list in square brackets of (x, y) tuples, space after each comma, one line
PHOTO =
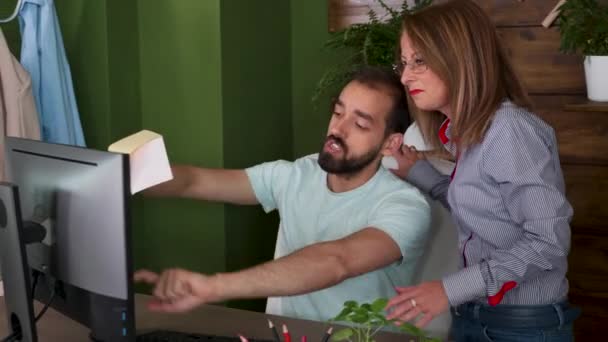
[(506, 194)]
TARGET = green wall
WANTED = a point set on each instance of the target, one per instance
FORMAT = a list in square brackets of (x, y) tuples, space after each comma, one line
[(180, 66), (228, 84), (256, 85), (309, 60)]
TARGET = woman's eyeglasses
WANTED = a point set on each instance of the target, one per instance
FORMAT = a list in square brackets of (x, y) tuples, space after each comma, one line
[(417, 66)]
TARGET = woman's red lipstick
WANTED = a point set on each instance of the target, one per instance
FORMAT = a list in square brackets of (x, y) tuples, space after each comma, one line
[(415, 91)]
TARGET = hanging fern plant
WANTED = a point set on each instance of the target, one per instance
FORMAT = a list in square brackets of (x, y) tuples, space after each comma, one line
[(373, 43)]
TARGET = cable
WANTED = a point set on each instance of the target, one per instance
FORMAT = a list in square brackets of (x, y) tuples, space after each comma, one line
[(35, 276), (46, 306)]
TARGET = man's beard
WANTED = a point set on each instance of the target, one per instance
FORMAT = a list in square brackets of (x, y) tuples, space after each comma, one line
[(344, 166)]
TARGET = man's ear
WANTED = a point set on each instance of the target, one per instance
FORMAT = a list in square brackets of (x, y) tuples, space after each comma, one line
[(392, 141)]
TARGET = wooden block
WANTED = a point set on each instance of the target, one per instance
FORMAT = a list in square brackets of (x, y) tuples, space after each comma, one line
[(534, 53), (548, 21), (587, 191), (582, 136)]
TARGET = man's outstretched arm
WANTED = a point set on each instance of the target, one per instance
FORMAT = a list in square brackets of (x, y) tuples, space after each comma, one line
[(217, 185), (309, 269)]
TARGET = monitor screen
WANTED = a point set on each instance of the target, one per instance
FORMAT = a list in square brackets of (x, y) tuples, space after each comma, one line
[(81, 198)]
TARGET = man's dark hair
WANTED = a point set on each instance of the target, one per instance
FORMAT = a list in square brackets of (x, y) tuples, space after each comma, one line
[(386, 79)]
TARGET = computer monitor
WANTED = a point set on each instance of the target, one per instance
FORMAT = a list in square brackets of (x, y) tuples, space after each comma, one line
[(81, 198)]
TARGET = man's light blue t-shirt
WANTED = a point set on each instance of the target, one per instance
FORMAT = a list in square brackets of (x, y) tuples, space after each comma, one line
[(311, 213)]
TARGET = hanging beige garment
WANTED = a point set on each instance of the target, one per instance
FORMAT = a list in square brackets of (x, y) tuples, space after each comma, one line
[(17, 106)]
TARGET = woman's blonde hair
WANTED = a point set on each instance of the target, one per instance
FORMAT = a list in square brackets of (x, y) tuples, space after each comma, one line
[(458, 42)]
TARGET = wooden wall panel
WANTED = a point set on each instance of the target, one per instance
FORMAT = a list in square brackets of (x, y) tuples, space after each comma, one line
[(590, 264), (534, 53), (588, 277), (587, 191), (582, 135), (519, 13), (343, 13), (587, 283), (594, 316)]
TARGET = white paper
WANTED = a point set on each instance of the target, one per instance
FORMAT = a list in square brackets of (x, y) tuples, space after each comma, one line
[(148, 159)]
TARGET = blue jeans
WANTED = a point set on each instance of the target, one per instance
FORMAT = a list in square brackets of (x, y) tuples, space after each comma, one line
[(476, 322)]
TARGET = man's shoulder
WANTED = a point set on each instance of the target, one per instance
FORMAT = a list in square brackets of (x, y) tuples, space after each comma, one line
[(310, 159), (393, 183), (307, 164), (303, 169), (391, 186)]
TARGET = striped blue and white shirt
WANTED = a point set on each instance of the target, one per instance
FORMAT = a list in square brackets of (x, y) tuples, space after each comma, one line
[(507, 199)]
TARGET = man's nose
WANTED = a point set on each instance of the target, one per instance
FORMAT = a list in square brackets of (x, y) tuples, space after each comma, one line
[(339, 128)]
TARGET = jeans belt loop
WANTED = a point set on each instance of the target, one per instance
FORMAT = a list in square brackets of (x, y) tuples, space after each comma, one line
[(476, 311), (560, 314)]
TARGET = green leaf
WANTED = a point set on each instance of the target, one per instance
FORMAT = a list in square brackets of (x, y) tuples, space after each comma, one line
[(342, 316), (360, 317), (433, 339), (351, 304), (379, 319), (368, 319), (410, 329), (342, 334), (379, 304), (363, 310)]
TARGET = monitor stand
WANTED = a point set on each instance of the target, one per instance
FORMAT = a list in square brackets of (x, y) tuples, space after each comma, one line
[(14, 235)]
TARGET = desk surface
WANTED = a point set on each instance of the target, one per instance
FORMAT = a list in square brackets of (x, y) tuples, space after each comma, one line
[(208, 319)]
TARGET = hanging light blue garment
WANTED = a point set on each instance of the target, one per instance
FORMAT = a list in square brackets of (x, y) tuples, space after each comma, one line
[(43, 56)]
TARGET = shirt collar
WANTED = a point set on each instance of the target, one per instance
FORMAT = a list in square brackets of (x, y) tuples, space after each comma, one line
[(445, 136)]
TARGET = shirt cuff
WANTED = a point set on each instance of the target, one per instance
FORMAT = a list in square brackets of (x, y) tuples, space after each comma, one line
[(465, 285), (424, 176)]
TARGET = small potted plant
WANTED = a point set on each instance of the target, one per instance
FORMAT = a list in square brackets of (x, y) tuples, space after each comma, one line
[(367, 319), (372, 43), (583, 25)]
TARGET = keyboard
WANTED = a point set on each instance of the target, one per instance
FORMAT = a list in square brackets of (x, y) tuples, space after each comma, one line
[(176, 336)]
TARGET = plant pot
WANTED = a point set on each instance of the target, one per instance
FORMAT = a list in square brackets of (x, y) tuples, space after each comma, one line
[(596, 76)]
